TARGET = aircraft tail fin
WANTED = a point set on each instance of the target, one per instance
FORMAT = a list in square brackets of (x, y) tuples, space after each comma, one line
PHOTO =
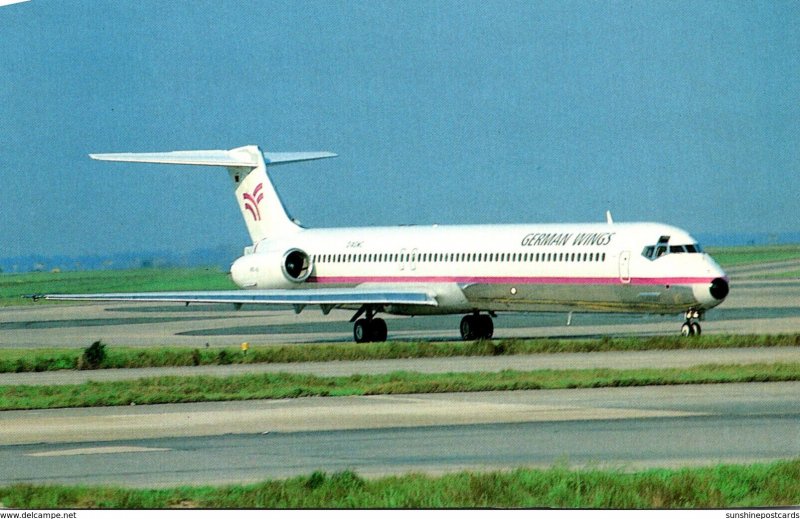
[(262, 209)]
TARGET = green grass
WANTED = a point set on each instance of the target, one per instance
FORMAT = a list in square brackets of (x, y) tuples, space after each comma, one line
[(737, 256), (27, 360), (14, 286), (161, 390), (723, 486), (790, 274)]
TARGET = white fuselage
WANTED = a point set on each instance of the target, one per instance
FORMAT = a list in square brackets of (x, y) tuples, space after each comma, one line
[(527, 267)]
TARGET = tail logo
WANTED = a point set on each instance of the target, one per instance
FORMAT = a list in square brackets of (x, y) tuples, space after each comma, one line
[(252, 201)]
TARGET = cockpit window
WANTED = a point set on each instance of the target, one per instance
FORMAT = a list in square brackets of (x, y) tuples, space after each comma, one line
[(653, 252)]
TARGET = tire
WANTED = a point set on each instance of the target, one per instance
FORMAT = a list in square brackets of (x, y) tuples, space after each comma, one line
[(485, 327), (379, 330), (696, 330), (686, 330), (362, 331), (468, 328)]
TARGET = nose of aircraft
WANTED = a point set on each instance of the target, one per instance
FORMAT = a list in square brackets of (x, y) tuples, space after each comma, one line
[(709, 295)]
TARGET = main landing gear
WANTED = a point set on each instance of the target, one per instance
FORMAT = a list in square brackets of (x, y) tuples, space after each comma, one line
[(369, 328), (691, 327), (476, 326)]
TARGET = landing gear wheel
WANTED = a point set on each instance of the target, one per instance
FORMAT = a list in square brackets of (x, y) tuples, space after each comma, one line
[(468, 328), (696, 330), (361, 331), (486, 326), (370, 330), (476, 326), (690, 327), (379, 330), (686, 329)]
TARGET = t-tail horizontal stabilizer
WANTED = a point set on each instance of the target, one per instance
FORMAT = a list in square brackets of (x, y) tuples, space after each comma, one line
[(239, 157), (261, 207)]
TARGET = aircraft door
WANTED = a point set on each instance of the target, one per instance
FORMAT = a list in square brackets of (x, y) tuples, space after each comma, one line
[(408, 259), (625, 266)]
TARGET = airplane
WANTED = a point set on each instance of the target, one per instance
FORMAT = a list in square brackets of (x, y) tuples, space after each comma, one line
[(475, 270)]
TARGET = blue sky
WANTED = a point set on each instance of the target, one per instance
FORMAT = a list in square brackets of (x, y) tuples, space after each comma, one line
[(686, 113)]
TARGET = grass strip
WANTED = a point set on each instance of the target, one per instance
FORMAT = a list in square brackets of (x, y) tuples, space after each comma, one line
[(162, 390), (723, 486), (26, 360), (753, 255), (792, 274)]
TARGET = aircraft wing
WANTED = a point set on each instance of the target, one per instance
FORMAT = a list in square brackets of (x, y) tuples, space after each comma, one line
[(327, 297)]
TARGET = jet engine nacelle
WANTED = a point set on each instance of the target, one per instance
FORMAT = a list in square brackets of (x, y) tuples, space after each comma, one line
[(272, 269)]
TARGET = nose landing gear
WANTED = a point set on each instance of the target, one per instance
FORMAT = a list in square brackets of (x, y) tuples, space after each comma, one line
[(691, 327)]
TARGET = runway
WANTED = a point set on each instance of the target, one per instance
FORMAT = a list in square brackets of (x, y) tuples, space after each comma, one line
[(624, 428), (248, 441)]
